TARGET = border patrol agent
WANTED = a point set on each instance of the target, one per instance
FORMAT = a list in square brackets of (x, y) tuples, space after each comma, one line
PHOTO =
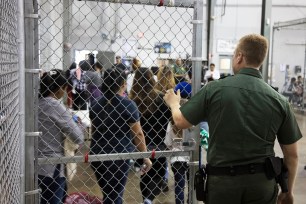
[(245, 116)]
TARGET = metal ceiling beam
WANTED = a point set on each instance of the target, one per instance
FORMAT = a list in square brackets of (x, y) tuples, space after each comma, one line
[(166, 3), (284, 24)]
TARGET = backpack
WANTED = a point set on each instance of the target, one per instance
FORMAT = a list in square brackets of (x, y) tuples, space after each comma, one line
[(82, 198)]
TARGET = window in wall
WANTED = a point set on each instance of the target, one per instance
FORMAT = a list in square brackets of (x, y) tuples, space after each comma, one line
[(225, 63)]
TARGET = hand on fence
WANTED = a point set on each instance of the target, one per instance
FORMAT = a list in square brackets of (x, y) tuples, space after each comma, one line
[(147, 164), (172, 98)]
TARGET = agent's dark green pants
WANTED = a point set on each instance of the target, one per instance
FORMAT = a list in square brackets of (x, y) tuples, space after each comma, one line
[(242, 189)]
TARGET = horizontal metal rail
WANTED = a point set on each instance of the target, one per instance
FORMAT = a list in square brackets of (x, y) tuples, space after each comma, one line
[(105, 157), (283, 24), (170, 3)]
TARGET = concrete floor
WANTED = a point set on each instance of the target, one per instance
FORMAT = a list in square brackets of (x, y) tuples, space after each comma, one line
[(85, 179)]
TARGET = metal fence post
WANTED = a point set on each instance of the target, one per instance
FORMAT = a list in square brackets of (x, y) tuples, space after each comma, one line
[(10, 110), (30, 100), (67, 17), (21, 52), (197, 59)]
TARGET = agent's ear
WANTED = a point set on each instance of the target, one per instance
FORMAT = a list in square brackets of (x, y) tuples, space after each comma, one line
[(239, 57)]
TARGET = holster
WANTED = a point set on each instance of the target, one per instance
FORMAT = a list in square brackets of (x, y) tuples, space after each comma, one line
[(282, 178), (276, 169), (273, 167), (199, 184)]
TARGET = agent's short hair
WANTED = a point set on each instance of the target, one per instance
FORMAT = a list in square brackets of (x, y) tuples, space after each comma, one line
[(254, 47), (212, 64)]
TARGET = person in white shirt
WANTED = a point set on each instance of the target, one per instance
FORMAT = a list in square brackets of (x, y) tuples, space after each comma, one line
[(212, 73)]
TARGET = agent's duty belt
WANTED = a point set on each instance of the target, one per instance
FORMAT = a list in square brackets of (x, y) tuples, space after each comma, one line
[(235, 170)]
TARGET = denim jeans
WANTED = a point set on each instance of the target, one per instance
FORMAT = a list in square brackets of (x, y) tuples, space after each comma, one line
[(180, 170), (151, 182), (53, 189), (111, 177)]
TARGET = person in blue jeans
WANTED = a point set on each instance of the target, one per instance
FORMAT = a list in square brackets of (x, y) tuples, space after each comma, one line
[(55, 123), (115, 126), (179, 164)]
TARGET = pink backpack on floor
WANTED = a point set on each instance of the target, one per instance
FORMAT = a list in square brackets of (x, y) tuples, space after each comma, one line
[(82, 198)]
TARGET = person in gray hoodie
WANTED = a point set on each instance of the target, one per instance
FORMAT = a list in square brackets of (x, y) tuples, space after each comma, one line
[(56, 123)]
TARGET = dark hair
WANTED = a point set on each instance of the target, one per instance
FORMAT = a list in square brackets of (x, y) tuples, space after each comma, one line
[(98, 65), (212, 64), (85, 66), (155, 69), (143, 92), (72, 66), (112, 81), (51, 82)]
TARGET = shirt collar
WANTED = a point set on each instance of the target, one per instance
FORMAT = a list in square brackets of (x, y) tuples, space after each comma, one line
[(251, 72)]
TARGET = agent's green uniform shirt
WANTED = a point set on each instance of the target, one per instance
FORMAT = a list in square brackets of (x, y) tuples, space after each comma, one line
[(245, 115)]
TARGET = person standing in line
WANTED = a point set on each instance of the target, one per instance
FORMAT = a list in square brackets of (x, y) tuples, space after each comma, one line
[(55, 122), (212, 73), (290, 90), (180, 72), (94, 82), (115, 126), (85, 85), (155, 116), (119, 65), (77, 79), (245, 116), (299, 90), (69, 101), (98, 67), (136, 63), (179, 164), (165, 79)]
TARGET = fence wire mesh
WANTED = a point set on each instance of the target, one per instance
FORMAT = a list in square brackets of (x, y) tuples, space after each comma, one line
[(10, 168), (291, 83), (119, 59)]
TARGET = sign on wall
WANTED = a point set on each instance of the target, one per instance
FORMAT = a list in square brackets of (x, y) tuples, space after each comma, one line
[(162, 47), (226, 46)]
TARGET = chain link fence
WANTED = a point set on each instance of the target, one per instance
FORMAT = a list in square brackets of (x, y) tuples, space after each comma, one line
[(104, 126), (291, 75), (10, 166)]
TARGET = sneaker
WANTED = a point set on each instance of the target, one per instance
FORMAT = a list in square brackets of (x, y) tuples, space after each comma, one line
[(147, 201)]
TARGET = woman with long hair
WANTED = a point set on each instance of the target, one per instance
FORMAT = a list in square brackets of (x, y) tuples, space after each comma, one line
[(55, 122), (136, 63), (155, 116), (165, 79), (115, 126)]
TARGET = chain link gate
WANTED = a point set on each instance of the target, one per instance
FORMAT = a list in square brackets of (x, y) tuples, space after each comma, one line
[(152, 33), (296, 69), (10, 115)]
